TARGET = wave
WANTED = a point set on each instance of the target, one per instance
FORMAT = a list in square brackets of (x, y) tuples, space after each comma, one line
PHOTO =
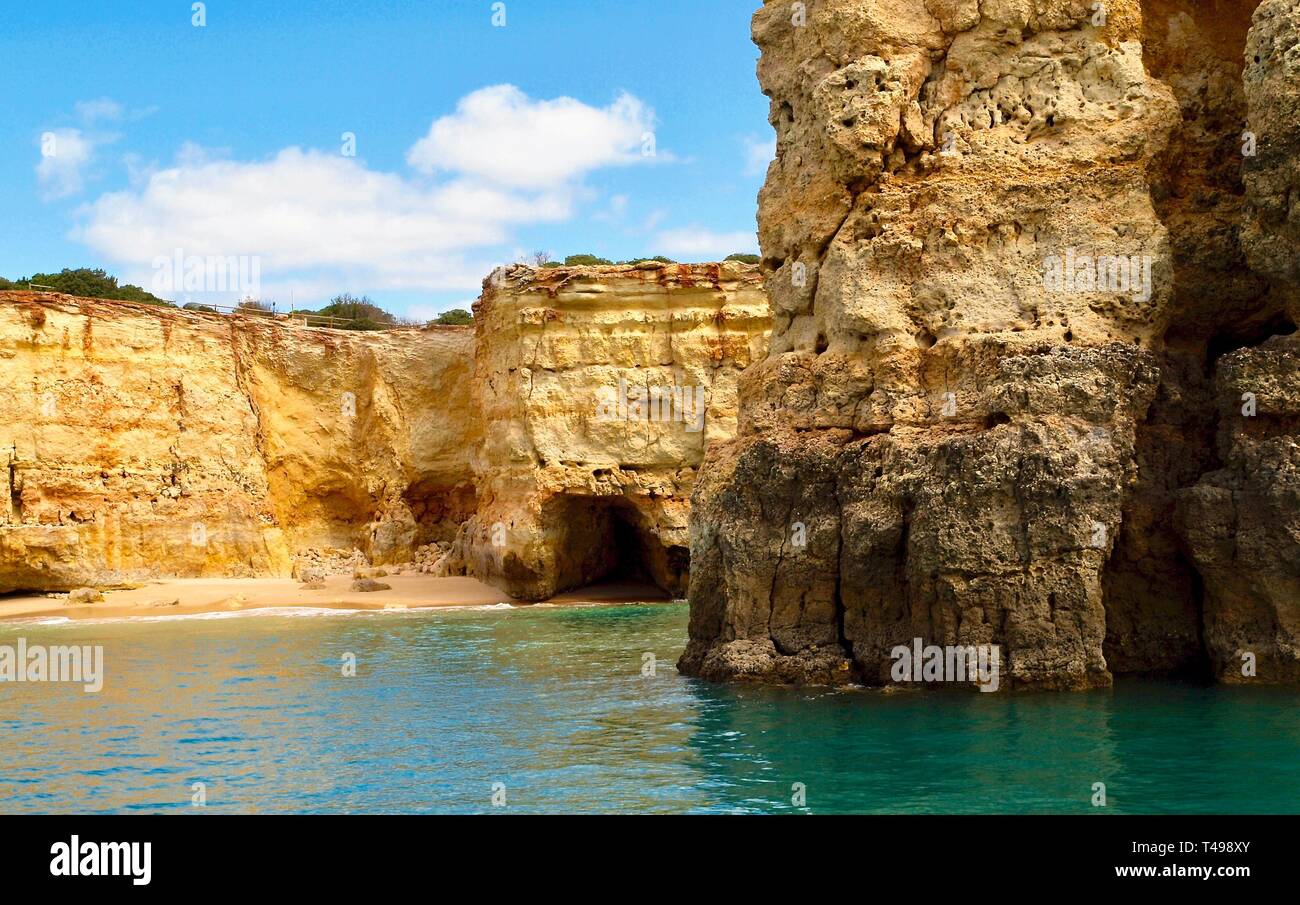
[(272, 611)]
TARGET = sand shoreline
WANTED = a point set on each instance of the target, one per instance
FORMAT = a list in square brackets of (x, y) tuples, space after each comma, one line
[(201, 596)]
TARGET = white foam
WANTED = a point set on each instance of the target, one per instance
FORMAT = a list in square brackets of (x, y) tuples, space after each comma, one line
[(272, 612), (297, 612)]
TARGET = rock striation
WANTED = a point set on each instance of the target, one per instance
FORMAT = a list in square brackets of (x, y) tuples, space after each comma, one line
[(153, 442), (600, 389), (145, 441), (1019, 285)]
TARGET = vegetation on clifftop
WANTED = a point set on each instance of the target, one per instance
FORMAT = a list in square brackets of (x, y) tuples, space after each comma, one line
[(586, 260), (87, 283), (456, 317)]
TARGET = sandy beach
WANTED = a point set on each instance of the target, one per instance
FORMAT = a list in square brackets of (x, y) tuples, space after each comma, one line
[(191, 596)]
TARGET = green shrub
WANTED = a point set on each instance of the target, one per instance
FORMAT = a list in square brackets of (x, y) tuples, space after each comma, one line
[(361, 312), (456, 317), (90, 284), (745, 258), (657, 258)]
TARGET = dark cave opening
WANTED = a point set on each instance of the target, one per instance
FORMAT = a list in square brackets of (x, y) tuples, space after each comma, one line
[(609, 540), (1245, 336)]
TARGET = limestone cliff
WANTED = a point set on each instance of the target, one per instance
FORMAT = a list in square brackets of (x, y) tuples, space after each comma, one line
[(144, 441), (1241, 521), (1011, 254), (600, 389)]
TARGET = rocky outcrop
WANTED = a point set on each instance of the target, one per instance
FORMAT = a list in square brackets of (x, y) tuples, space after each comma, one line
[(1241, 521), (367, 438), (1272, 89), (600, 389), (1007, 245), (145, 441)]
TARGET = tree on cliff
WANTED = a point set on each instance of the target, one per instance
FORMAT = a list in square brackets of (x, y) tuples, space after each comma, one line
[(594, 261), (362, 313), (456, 317), (87, 283)]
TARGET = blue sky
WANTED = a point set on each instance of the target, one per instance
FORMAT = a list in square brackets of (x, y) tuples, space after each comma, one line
[(623, 128)]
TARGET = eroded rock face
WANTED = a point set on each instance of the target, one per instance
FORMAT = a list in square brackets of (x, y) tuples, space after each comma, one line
[(1241, 521), (975, 424), (144, 441), (367, 438), (583, 474), (1272, 84)]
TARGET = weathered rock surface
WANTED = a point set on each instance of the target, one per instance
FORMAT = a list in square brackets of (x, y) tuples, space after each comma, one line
[(1272, 88), (580, 477), (953, 440), (1242, 521), (145, 441)]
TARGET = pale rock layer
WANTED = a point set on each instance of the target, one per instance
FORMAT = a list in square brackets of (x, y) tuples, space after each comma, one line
[(144, 441), (577, 481), (944, 443)]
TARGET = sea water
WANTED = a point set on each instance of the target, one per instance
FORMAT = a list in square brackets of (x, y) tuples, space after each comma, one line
[(580, 709)]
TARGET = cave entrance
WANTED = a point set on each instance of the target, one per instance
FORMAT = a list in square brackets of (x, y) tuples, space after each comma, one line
[(609, 540)]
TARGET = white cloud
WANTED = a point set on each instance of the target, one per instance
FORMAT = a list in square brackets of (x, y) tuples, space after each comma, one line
[(317, 219), (306, 211), (68, 153), (502, 136), (758, 154), (615, 212), (104, 108), (702, 244), (65, 155)]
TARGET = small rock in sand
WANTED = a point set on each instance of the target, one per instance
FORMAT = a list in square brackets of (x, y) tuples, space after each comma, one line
[(83, 596), (312, 586), (367, 585), (164, 603)]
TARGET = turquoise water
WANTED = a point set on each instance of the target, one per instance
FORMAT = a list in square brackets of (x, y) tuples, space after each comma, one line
[(552, 704)]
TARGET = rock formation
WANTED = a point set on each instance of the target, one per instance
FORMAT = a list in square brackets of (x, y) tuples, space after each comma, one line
[(599, 390), (146, 441), (1018, 285), (1241, 521)]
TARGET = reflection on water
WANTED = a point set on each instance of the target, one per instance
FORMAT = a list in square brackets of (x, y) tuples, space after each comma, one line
[(552, 703)]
